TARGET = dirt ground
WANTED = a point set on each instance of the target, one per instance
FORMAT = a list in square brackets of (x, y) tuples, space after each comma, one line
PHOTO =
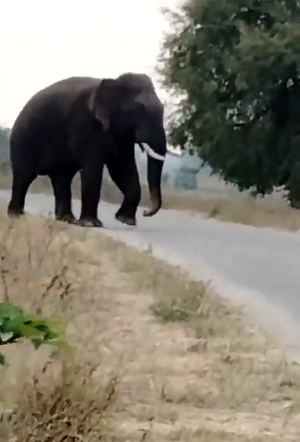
[(261, 212), (157, 357)]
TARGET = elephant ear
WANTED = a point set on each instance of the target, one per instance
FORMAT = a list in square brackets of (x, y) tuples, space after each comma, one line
[(105, 100)]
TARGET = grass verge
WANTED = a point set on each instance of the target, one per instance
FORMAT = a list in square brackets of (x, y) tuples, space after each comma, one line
[(266, 212), (157, 356), (46, 397)]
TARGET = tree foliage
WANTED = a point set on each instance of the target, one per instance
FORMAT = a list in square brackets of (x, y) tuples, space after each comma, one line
[(235, 64), (4, 143)]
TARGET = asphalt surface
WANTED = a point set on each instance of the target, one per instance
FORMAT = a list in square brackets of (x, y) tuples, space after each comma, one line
[(257, 267)]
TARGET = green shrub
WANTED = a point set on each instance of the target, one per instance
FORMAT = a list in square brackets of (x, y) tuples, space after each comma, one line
[(15, 324)]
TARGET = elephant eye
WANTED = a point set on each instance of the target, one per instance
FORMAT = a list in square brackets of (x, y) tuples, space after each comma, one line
[(130, 108), (141, 110), (133, 113)]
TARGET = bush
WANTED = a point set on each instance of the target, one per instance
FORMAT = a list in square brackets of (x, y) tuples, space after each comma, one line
[(16, 325)]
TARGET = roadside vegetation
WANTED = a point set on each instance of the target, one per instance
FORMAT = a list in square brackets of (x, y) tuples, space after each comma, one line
[(232, 68), (154, 355)]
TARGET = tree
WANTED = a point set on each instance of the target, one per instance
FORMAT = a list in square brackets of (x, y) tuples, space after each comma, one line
[(234, 66), (4, 143)]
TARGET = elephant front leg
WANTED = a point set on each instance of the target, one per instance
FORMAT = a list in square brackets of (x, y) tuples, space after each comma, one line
[(125, 176), (91, 181)]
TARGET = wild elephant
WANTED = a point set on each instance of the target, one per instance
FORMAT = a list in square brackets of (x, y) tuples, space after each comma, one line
[(82, 124)]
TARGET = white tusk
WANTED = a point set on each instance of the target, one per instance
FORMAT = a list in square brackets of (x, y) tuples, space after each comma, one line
[(174, 152), (153, 154)]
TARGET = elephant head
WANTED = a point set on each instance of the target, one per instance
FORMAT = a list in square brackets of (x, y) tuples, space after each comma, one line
[(129, 107)]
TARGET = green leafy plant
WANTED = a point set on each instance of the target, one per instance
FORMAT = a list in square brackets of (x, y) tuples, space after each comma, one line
[(15, 324)]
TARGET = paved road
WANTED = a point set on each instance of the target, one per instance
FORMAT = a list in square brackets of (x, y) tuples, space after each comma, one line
[(256, 266)]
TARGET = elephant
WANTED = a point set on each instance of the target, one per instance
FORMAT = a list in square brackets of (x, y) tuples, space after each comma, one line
[(82, 124)]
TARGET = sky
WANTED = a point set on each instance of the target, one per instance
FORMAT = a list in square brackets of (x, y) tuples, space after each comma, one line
[(43, 42)]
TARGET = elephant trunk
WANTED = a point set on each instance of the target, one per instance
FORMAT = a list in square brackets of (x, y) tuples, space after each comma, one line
[(154, 172)]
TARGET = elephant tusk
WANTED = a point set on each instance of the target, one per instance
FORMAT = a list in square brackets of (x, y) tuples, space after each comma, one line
[(153, 154), (173, 152)]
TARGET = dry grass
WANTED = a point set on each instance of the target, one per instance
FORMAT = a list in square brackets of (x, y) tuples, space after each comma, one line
[(43, 397), (267, 212), (157, 357)]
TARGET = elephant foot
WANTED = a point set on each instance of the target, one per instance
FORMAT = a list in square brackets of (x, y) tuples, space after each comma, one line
[(68, 218), (89, 222), (14, 213), (126, 220)]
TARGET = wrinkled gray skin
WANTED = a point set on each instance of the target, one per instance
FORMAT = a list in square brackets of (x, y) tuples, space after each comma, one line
[(81, 124)]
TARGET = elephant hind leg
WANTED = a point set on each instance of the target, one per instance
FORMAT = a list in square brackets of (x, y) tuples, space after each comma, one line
[(125, 176), (22, 179), (61, 180)]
